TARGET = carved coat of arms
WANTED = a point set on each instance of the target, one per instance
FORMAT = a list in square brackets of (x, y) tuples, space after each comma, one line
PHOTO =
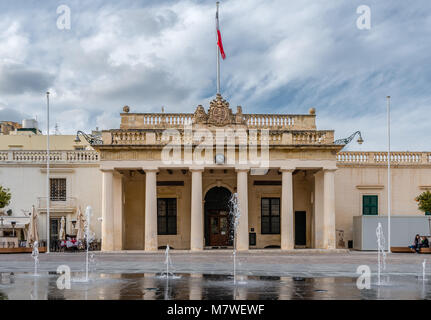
[(219, 112)]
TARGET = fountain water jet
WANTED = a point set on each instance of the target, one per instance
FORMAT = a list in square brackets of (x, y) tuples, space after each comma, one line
[(88, 237), (168, 263), (35, 255), (235, 213), (381, 254), (424, 263)]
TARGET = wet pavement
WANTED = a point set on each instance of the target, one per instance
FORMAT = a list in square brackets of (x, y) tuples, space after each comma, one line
[(208, 275), (149, 286)]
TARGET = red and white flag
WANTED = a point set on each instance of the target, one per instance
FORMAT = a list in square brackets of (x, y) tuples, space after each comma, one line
[(219, 42)]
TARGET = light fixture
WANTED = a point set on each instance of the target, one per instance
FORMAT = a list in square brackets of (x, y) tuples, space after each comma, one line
[(345, 141), (13, 223)]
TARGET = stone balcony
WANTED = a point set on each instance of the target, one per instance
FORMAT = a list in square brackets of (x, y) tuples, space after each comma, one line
[(65, 204)]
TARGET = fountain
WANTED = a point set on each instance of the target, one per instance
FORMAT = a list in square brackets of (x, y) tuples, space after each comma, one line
[(35, 256), (88, 237), (92, 263), (381, 254), (235, 213), (168, 263), (424, 263)]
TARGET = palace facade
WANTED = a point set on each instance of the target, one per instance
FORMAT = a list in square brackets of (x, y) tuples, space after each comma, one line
[(167, 178), (301, 193)]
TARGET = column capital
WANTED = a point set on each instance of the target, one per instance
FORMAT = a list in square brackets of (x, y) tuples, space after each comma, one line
[(107, 170), (196, 169), (286, 169), (118, 174), (151, 169), (329, 169), (242, 169)]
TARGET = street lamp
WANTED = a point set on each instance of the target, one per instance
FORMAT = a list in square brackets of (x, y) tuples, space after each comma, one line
[(13, 223), (347, 140), (73, 226), (91, 138), (1, 222)]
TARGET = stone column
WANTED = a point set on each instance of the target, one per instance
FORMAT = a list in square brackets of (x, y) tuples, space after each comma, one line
[(329, 207), (107, 211), (197, 223), (118, 211), (150, 210), (318, 211), (287, 229), (242, 189)]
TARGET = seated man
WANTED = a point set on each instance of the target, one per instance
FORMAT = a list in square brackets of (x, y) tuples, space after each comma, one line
[(424, 242)]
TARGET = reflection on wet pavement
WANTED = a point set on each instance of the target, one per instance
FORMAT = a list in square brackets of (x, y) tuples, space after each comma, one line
[(150, 286)]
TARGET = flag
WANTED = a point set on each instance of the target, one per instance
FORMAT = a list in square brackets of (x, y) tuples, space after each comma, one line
[(219, 42)]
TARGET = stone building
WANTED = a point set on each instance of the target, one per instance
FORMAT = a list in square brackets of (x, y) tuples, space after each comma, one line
[(166, 178), (306, 191)]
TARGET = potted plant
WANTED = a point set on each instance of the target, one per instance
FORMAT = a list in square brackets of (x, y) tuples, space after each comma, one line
[(424, 202), (5, 197)]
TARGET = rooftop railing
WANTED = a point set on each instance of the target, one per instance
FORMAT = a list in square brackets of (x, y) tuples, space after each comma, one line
[(381, 157), (178, 120), (40, 156), (139, 137)]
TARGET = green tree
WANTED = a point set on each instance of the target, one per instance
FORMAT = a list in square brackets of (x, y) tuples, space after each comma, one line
[(424, 201), (5, 196)]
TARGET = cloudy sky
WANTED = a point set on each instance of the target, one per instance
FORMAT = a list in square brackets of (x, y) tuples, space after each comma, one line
[(282, 57)]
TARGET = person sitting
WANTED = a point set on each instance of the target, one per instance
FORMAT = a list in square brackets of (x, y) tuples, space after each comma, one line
[(416, 244), (424, 242)]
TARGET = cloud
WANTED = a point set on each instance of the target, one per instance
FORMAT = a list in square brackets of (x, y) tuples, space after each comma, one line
[(18, 79), (9, 114), (282, 57)]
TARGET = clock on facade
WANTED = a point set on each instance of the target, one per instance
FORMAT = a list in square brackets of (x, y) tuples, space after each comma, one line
[(219, 158)]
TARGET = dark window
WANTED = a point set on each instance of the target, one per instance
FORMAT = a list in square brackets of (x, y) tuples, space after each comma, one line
[(370, 205), (166, 216), (58, 189), (270, 216)]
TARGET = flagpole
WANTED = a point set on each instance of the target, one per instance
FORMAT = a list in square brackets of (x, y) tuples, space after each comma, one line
[(218, 52), (389, 172), (48, 194)]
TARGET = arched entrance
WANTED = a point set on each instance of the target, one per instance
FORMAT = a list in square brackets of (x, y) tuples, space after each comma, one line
[(217, 218)]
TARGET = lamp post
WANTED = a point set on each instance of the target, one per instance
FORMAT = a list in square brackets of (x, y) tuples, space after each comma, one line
[(73, 226), (47, 174), (389, 171), (13, 223), (2, 226)]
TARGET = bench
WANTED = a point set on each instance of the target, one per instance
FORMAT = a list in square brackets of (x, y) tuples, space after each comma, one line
[(403, 250), (425, 250)]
